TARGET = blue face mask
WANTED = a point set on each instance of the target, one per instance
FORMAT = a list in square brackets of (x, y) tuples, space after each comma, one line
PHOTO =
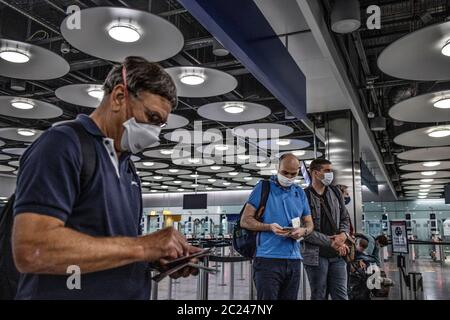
[(347, 200)]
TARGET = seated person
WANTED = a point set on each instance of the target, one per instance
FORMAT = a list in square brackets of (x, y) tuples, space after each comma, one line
[(372, 251)]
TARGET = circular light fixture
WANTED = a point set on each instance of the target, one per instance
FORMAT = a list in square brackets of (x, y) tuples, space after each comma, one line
[(192, 79), (221, 147), (212, 180), (153, 191), (22, 104), (173, 170), (283, 142), (239, 187), (425, 186), (428, 173), (248, 178), (180, 189), (424, 190), (226, 183), (145, 183), (14, 56), (442, 103), (148, 164), (193, 175), (124, 32), (208, 188), (274, 171), (299, 153), (427, 180), (164, 187), (422, 197), (431, 164), (96, 93), (26, 132), (233, 173), (439, 132), (215, 168), (261, 165), (243, 157), (178, 182), (195, 185), (423, 193), (446, 49), (157, 177), (194, 160), (234, 108), (166, 151)]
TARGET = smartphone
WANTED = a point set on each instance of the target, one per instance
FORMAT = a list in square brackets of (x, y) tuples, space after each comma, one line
[(288, 228), (181, 260)]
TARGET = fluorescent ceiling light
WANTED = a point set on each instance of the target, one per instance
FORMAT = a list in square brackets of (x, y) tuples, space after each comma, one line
[(439, 132), (166, 151), (428, 173), (221, 147), (22, 104), (442, 104), (426, 180), (431, 164), (233, 173), (283, 142), (148, 164), (26, 132), (14, 56), (192, 79), (299, 153), (234, 108), (446, 49), (96, 93), (261, 165), (157, 177), (215, 168), (173, 170), (124, 33)]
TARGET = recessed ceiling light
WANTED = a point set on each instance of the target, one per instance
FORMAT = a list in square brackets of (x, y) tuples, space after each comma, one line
[(426, 180), (215, 168), (124, 32), (431, 164), (248, 178), (442, 104), (238, 187), (261, 165), (439, 132), (194, 175), (148, 164), (153, 191), (446, 49), (423, 193), (221, 147), (180, 189), (299, 153), (428, 173), (178, 182), (234, 108), (145, 183), (422, 197), (166, 151), (26, 132), (22, 104), (283, 142), (195, 185), (14, 56), (192, 79), (425, 186), (243, 157), (157, 177), (226, 183), (233, 173), (164, 187), (96, 93), (194, 160), (173, 170), (212, 180), (424, 190)]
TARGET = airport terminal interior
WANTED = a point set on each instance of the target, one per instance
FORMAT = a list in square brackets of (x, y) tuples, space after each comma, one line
[(364, 84)]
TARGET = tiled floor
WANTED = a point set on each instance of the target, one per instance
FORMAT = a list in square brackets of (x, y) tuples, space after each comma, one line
[(436, 282)]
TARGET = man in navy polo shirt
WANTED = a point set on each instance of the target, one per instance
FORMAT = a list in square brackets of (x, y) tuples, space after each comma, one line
[(60, 227), (277, 262)]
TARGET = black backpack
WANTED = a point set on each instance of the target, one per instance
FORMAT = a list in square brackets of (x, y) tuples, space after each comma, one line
[(244, 241), (9, 276)]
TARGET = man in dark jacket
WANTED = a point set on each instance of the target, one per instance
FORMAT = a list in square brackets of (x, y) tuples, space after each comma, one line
[(325, 247)]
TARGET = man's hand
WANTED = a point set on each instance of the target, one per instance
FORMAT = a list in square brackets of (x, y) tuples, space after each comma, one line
[(187, 271), (342, 249), (297, 233), (165, 244), (278, 230), (339, 238)]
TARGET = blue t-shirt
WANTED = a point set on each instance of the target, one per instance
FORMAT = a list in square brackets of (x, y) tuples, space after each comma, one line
[(283, 205), (49, 184)]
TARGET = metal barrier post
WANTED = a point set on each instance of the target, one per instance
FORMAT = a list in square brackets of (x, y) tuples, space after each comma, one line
[(400, 265), (169, 294), (202, 281), (251, 285), (302, 281), (223, 284), (154, 294), (231, 281), (242, 270)]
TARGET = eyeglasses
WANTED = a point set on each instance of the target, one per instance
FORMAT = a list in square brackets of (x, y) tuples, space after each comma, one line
[(154, 117)]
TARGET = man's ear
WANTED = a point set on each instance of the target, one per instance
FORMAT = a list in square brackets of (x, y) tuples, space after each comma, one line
[(117, 98)]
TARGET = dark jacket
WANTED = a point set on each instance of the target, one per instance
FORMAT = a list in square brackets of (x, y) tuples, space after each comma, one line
[(310, 247)]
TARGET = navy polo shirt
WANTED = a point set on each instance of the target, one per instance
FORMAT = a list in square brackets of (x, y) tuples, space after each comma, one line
[(49, 184), (283, 205)]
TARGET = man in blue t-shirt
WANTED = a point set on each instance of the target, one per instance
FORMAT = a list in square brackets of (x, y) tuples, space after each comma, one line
[(63, 226), (277, 262)]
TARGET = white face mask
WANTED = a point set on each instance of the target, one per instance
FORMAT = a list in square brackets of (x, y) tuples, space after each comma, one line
[(327, 178), (285, 182), (138, 136)]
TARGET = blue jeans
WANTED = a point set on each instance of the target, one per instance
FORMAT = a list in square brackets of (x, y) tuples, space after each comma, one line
[(329, 277), (276, 279)]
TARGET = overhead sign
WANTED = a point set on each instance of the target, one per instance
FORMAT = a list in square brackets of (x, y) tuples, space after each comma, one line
[(399, 237)]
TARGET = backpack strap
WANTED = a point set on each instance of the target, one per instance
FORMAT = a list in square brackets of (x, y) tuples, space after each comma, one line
[(88, 153), (265, 191)]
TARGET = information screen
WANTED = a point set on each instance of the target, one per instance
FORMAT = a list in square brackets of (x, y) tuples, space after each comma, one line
[(195, 201)]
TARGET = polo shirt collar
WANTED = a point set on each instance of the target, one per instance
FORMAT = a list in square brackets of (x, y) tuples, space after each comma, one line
[(90, 125)]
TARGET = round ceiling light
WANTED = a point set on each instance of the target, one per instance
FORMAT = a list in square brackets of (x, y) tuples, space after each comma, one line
[(422, 197), (215, 168), (439, 132), (233, 173), (173, 170), (239, 187), (96, 93), (26, 132), (195, 185), (180, 189), (226, 183), (283, 142), (22, 104), (428, 173), (426, 180), (157, 177), (148, 164), (248, 178), (446, 49), (193, 175), (166, 151), (192, 79), (423, 193), (425, 186), (194, 160), (221, 147), (14, 56), (234, 108), (243, 157), (431, 164), (212, 180), (261, 165), (442, 103), (299, 153), (178, 182), (124, 32)]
